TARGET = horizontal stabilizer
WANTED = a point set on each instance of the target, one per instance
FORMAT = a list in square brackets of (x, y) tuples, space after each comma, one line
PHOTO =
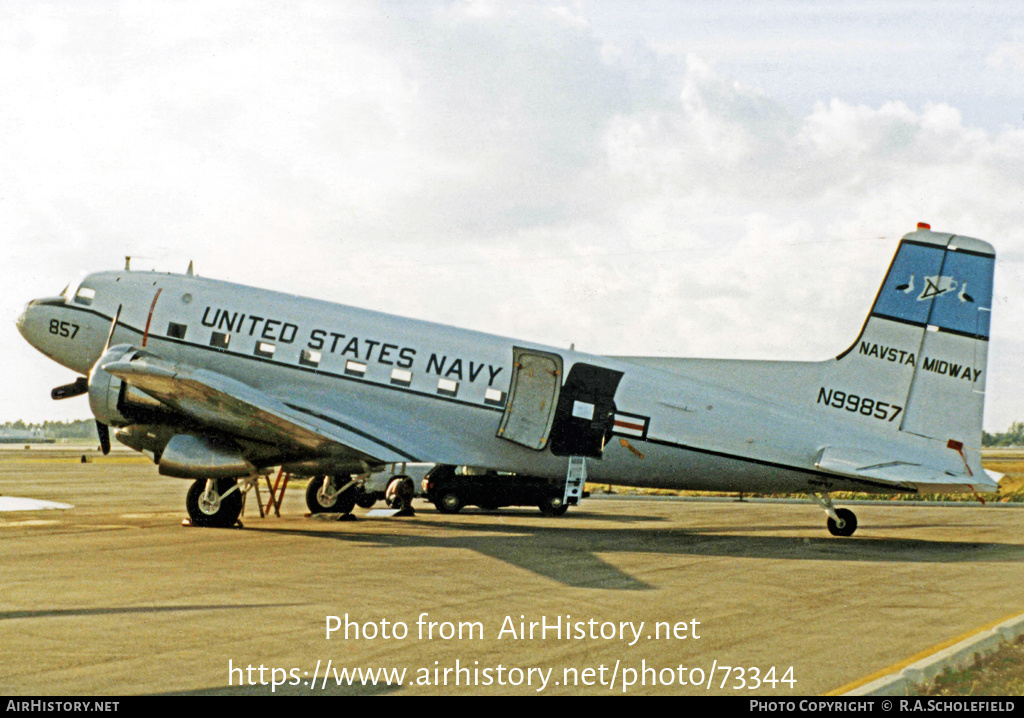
[(900, 473)]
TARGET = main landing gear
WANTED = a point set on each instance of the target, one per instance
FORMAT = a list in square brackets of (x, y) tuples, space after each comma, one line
[(332, 494), (214, 502), (341, 493), (841, 522), (218, 502)]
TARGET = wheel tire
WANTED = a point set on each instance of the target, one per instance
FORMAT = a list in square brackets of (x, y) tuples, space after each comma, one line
[(448, 502), (342, 503), (365, 500), (222, 512), (553, 506), (849, 521)]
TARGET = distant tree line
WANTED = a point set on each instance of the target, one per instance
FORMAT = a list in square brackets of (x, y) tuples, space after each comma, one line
[(1013, 437), (80, 429)]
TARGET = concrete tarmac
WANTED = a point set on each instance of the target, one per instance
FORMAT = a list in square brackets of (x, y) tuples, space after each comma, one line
[(619, 596)]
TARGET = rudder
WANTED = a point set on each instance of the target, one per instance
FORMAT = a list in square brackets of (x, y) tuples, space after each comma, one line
[(924, 347)]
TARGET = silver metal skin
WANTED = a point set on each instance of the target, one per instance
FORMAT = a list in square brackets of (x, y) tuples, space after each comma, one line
[(222, 380)]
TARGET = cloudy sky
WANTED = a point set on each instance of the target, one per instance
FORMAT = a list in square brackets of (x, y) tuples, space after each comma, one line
[(722, 179)]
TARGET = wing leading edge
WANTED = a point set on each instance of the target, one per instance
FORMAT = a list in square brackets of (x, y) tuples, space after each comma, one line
[(214, 400)]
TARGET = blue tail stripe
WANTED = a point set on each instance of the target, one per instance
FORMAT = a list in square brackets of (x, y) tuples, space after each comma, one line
[(930, 285)]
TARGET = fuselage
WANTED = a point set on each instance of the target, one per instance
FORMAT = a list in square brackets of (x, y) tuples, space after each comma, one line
[(439, 393)]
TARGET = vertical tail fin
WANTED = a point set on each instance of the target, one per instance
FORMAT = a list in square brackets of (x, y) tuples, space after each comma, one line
[(923, 351)]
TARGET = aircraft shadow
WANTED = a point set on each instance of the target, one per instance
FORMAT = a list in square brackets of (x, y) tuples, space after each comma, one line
[(80, 612), (571, 554)]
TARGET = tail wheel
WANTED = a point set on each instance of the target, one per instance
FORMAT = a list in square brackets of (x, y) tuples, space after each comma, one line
[(323, 497), (219, 506), (846, 525)]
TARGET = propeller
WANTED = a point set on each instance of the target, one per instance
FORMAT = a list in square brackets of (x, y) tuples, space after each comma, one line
[(113, 326), (104, 431), (81, 386)]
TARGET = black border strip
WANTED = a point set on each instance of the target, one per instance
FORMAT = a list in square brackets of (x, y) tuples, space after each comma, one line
[(945, 247), (946, 330)]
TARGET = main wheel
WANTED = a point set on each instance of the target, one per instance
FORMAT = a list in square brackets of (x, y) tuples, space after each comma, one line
[(215, 508), (847, 523), (553, 506), (365, 499), (319, 500)]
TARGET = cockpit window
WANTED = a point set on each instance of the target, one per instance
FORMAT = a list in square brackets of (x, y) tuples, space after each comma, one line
[(85, 295)]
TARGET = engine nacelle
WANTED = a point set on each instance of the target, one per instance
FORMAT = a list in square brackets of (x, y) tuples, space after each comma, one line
[(187, 456), (115, 403), (146, 438)]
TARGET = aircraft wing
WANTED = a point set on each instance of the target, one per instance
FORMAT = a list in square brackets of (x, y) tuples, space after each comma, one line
[(218, 401), (901, 473)]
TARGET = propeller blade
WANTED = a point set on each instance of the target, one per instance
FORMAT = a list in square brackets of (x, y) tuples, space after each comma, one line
[(104, 433), (76, 388), (113, 326)]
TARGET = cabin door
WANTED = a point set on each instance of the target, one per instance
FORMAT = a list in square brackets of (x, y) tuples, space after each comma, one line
[(532, 398), (585, 416)]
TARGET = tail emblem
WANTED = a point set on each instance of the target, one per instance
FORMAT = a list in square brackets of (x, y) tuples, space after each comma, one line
[(922, 274), (936, 286)]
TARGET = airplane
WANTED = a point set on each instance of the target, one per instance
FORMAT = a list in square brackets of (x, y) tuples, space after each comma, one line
[(219, 382)]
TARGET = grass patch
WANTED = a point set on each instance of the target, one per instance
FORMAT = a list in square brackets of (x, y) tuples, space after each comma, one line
[(998, 674)]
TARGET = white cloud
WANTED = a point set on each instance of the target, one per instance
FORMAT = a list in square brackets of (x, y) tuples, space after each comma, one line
[(505, 166), (1009, 57)]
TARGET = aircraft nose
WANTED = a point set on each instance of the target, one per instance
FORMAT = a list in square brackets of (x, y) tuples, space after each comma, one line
[(71, 338), (22, 321), (34, 317)]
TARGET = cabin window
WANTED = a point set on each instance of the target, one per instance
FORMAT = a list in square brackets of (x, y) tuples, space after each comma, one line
[(219, 340), (85, 295), (447, 387), (176, 331), (265, 350), (308, 357), (355, 368), (401, 377), (494, 397)]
